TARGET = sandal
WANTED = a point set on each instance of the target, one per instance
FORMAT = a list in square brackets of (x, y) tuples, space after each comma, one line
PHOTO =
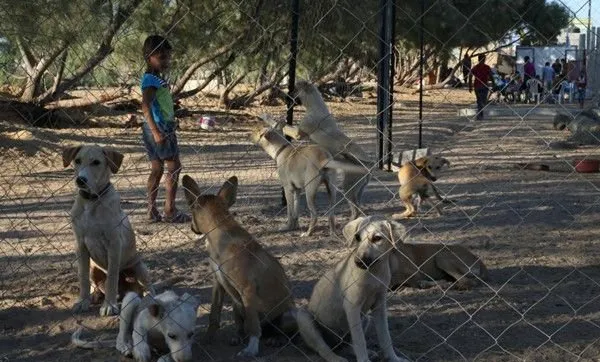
[(178, 218), (154, 217)]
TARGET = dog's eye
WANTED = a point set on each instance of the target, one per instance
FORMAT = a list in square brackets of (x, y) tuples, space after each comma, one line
[(95, 162), (78, 161), (376, 238), (172, 336)]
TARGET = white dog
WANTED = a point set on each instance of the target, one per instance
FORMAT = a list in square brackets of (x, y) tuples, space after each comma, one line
[(166, 322)]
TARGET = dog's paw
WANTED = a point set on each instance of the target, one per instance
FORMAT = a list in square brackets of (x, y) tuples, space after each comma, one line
[(141, 352), (125, 348), (82, 305), (109, 309), (251, 349)]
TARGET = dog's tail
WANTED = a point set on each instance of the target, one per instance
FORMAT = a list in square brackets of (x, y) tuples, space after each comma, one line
[(345, 166), (312, 336), (77, 341)]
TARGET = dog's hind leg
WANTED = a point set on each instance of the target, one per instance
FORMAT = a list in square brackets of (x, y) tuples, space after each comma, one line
[(311, 190), (129, 306), (214, 318), (406, 197), (331, 212), (311, 336), (352, 185), (238, 316)]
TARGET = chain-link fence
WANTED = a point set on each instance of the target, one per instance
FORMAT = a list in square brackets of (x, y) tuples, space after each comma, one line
[(515, 193)]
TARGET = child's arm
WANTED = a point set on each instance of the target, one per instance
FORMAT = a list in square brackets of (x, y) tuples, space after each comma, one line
[(148, 95)]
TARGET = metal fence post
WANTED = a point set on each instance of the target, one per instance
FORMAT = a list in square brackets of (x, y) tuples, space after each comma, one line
[(383, 77)]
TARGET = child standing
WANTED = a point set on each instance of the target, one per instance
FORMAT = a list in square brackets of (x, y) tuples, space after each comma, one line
[(158, 130)]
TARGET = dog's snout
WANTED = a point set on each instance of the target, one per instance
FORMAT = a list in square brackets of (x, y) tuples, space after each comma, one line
[(433, 178), (363, 262), (81, 181)]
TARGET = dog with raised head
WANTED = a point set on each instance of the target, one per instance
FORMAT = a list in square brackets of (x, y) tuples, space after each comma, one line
[(105, 241), (428, 265), (303, 167), (357, 285), (165, 322), (254, 279), (320, 127), (416, 179)]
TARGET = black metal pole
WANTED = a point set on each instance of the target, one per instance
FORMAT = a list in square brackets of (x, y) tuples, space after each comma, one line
[(292, 71), (382, 80), (421, 64), (392, 34)]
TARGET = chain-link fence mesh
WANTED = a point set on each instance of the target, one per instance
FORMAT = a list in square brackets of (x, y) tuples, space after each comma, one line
[(71, 74)]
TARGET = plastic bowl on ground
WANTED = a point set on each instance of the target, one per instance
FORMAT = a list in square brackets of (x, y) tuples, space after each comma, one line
[(587, 165)]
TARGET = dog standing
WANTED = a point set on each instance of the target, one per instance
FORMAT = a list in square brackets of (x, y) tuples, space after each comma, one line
[(165, 322), (303, 167), (321, 127), (428, 265), (416, 179), (355, 286), (251, 276), (102, 230)]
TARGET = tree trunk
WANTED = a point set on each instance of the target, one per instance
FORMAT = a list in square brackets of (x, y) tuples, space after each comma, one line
[(104, 49), (244, 100), (35, 72), (224, 99), (62, 62), (216, 73)]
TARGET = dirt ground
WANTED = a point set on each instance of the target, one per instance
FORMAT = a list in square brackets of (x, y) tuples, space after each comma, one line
[(538, 233)]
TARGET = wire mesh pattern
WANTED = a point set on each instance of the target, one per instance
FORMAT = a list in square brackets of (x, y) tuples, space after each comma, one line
[(513, 195)]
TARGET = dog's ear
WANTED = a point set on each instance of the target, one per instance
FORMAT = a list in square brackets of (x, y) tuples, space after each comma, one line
[(191, 189), (228, 191), (351, 230), (397, 232), (68, 155), (114, 158), (156, 310), (191, 300)]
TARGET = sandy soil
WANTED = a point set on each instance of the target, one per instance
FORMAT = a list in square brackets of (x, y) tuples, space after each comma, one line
[(537, 232)]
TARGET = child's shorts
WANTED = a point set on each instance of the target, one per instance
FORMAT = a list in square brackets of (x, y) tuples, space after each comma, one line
[(168, 150)]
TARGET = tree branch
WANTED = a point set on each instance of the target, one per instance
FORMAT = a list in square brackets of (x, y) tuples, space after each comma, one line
[(208, 79)]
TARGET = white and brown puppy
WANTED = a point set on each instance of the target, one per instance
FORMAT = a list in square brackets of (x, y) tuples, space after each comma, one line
[(102, 230), (165, 322), (321, 127), (428, 265), (302, 167), (250, 275), (416, 179), (356, 286)]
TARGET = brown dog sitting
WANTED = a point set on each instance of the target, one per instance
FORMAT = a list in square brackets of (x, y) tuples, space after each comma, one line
[(416, 179)]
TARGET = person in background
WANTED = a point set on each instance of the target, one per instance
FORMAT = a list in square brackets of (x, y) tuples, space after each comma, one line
[(482, 74), (581, 85), (466, 67), (557, 67), (564, 69), (534, 86), (528, 72), (548, 75)]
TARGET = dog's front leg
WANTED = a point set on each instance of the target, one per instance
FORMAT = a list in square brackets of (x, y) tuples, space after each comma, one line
[(83, 269), (438, 196), (292, 209), (110, 307), (251, 324), (359, 343), (141, 349), (214, 319), (383, 331)]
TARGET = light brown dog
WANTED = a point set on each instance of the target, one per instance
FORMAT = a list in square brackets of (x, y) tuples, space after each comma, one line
[(427, 265), (416, 179), (303, 167), (102, 231), (249, 274), (356, 286)]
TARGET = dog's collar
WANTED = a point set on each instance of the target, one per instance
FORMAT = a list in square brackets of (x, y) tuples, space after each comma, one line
[(283, 147), (86, 195)]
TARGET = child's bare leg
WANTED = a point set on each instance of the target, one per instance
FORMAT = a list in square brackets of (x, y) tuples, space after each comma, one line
[(173, 169), (153, 184)]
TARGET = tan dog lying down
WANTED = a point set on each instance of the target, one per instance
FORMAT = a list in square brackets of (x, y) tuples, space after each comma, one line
[(105, 241), (303, 167), (357, 285), (250, 275), (428, 265)]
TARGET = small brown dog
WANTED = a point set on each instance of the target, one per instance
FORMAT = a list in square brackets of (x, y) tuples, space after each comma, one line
[(252, 277), (416, 178)]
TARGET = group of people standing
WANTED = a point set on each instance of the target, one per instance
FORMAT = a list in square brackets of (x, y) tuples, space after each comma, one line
[(552, 79)]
